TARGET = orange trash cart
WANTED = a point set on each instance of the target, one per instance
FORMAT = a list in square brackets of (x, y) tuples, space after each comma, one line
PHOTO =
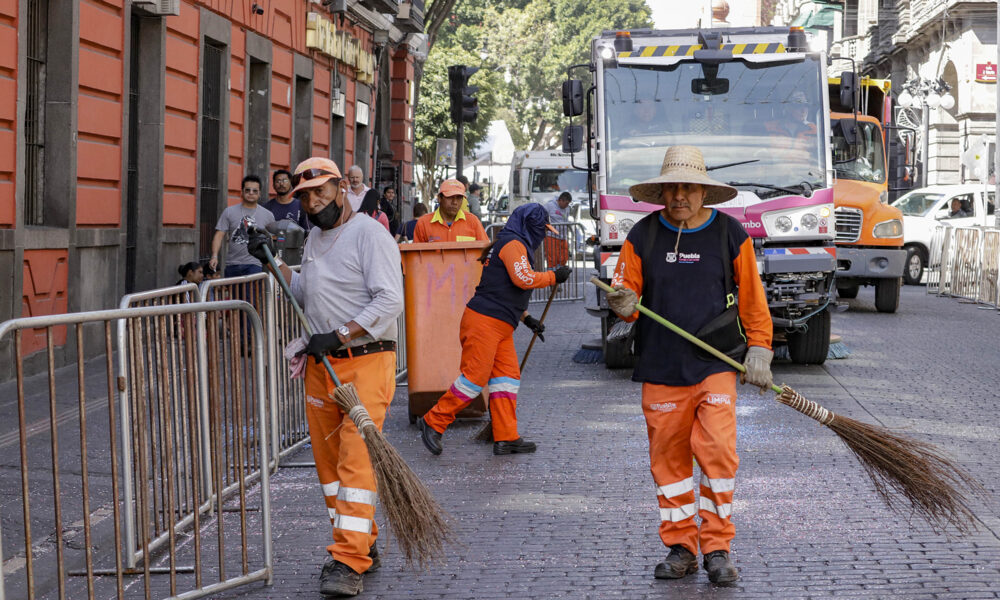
[(438, 280)]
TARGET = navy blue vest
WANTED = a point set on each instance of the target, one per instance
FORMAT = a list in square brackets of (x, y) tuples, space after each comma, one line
[(496, 295)]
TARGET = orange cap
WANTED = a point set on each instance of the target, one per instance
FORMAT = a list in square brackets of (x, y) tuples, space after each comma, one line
[(314, 172), (451, 187)]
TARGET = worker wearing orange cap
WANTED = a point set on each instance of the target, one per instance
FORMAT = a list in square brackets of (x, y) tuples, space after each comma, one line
[(351, 291), (449, 223), (487, 329)]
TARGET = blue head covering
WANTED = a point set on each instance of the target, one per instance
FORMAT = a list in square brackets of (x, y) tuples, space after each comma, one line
[(527, 223)]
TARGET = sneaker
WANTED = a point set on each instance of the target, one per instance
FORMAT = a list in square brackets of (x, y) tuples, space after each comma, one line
[(376, 559), (720, 567), (518, 446), (431, 438), (337, 579), (679, 562)]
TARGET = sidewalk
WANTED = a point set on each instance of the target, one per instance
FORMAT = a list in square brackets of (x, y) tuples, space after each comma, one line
[(579, 518)]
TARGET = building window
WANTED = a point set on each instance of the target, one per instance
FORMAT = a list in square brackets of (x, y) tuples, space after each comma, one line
[(258, 118), (213, 55), (338, 124), (34, 114), (302, 131), (851, 18)]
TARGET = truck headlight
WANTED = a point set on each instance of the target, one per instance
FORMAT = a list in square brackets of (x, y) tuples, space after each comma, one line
[(888, 229), (809, 221), (609, 218), (625, 225), (784, 224)]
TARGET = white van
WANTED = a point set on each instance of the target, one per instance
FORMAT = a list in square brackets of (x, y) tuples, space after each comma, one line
[(925, 208)]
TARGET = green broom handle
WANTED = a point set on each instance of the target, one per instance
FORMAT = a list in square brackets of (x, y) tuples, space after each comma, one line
[(298, 309), (697, 342)]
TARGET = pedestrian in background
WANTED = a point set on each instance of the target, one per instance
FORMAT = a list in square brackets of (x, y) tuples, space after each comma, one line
[(361, 197), (692, 264), (419, 210), (486, 331), (351, 290), (556, 246), (449, 223), (387, 204), (476, 200), (190, 272), (235, 222), (284, 205)]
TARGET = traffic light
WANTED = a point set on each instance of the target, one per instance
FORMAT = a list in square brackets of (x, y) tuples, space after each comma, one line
[(464, 105)]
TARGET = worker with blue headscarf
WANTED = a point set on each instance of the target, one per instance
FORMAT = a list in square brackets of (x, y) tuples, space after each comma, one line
[(487, 332)]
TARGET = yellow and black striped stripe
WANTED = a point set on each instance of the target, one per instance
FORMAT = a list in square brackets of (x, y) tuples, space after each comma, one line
[(689, 49)]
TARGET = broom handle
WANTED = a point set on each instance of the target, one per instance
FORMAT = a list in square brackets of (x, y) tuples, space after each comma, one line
[(298, 310), (697, 342), (524, 359)]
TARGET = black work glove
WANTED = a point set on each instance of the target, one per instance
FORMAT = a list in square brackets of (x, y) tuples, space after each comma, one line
[(562, 273), (259, 239), (321, 344), (535, 325)]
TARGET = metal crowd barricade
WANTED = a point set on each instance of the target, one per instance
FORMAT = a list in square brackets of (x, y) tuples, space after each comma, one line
[(966, 261), (939, 260), (989, 272), (565, 249), (291, 430), (84, 512)]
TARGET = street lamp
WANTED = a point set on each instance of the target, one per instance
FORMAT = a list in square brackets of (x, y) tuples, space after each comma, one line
[(925, 94)]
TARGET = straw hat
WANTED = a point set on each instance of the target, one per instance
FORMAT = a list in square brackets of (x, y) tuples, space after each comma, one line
[(682, 164)]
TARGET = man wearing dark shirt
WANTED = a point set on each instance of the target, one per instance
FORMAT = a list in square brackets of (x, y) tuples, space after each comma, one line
[(284, 205)]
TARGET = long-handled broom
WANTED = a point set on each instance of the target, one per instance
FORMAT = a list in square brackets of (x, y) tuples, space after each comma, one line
[(486, 433), (934, 486), (416, 519)]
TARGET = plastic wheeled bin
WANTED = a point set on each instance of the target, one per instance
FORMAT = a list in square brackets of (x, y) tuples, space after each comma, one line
[(439, 279)]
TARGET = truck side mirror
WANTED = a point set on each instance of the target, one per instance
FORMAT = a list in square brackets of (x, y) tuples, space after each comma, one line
[(848, 90), (572, 97), (572, 139)]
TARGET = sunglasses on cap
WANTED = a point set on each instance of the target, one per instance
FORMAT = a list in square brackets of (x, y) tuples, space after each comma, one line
[(310, 174)]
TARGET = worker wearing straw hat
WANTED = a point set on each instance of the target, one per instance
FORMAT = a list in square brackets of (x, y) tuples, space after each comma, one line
[(678, 260), (351, 289), (486, 331)]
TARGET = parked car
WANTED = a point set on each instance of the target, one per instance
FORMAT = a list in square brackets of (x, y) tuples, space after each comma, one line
[(925, 208)]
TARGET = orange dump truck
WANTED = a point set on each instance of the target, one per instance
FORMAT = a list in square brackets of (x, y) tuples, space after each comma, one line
[(869, 232)]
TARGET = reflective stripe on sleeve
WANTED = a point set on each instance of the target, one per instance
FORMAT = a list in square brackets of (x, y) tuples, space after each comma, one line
[(677, 514), (358, 495), (349, 523), (723, 510), (676, 489), (718, 485), (330, 489)]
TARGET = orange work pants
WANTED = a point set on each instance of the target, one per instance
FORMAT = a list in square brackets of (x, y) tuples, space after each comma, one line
[(342, 462), (700, 420), (488, 359)]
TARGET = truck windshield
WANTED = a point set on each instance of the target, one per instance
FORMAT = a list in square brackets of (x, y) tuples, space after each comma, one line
[(917, 203), (558, 180), (863, 162), (772, 113)]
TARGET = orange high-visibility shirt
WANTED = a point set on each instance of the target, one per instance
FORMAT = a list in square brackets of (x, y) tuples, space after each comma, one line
[(465, 228)]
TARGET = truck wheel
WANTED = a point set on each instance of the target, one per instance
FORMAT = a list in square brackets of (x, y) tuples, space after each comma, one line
[(915, 262), (811, 346), (849, 291), (618, 349), (887, 294)]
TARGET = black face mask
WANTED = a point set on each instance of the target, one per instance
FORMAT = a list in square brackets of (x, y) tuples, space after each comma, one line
[(327, 218)]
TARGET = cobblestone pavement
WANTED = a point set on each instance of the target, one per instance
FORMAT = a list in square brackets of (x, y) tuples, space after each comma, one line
[(579, 518)]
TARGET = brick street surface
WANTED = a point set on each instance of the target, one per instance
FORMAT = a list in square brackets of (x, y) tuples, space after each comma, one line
[(579, 518)]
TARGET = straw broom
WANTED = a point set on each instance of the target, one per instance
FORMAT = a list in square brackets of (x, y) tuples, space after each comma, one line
[(486, 433), (897, 465), (415, 518)]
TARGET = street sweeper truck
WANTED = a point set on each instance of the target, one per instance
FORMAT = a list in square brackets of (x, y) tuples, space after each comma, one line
[(755, 101)]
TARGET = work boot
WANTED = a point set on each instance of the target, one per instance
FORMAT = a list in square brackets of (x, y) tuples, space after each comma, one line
[(338, 579), (720, 567), (431, 438), (518, 446), (376, 559), (679, 562)]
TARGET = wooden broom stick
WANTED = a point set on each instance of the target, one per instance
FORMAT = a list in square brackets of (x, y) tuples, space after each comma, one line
[(934, 486)]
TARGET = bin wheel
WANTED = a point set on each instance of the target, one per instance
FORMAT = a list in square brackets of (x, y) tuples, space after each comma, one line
[(413, 419)]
